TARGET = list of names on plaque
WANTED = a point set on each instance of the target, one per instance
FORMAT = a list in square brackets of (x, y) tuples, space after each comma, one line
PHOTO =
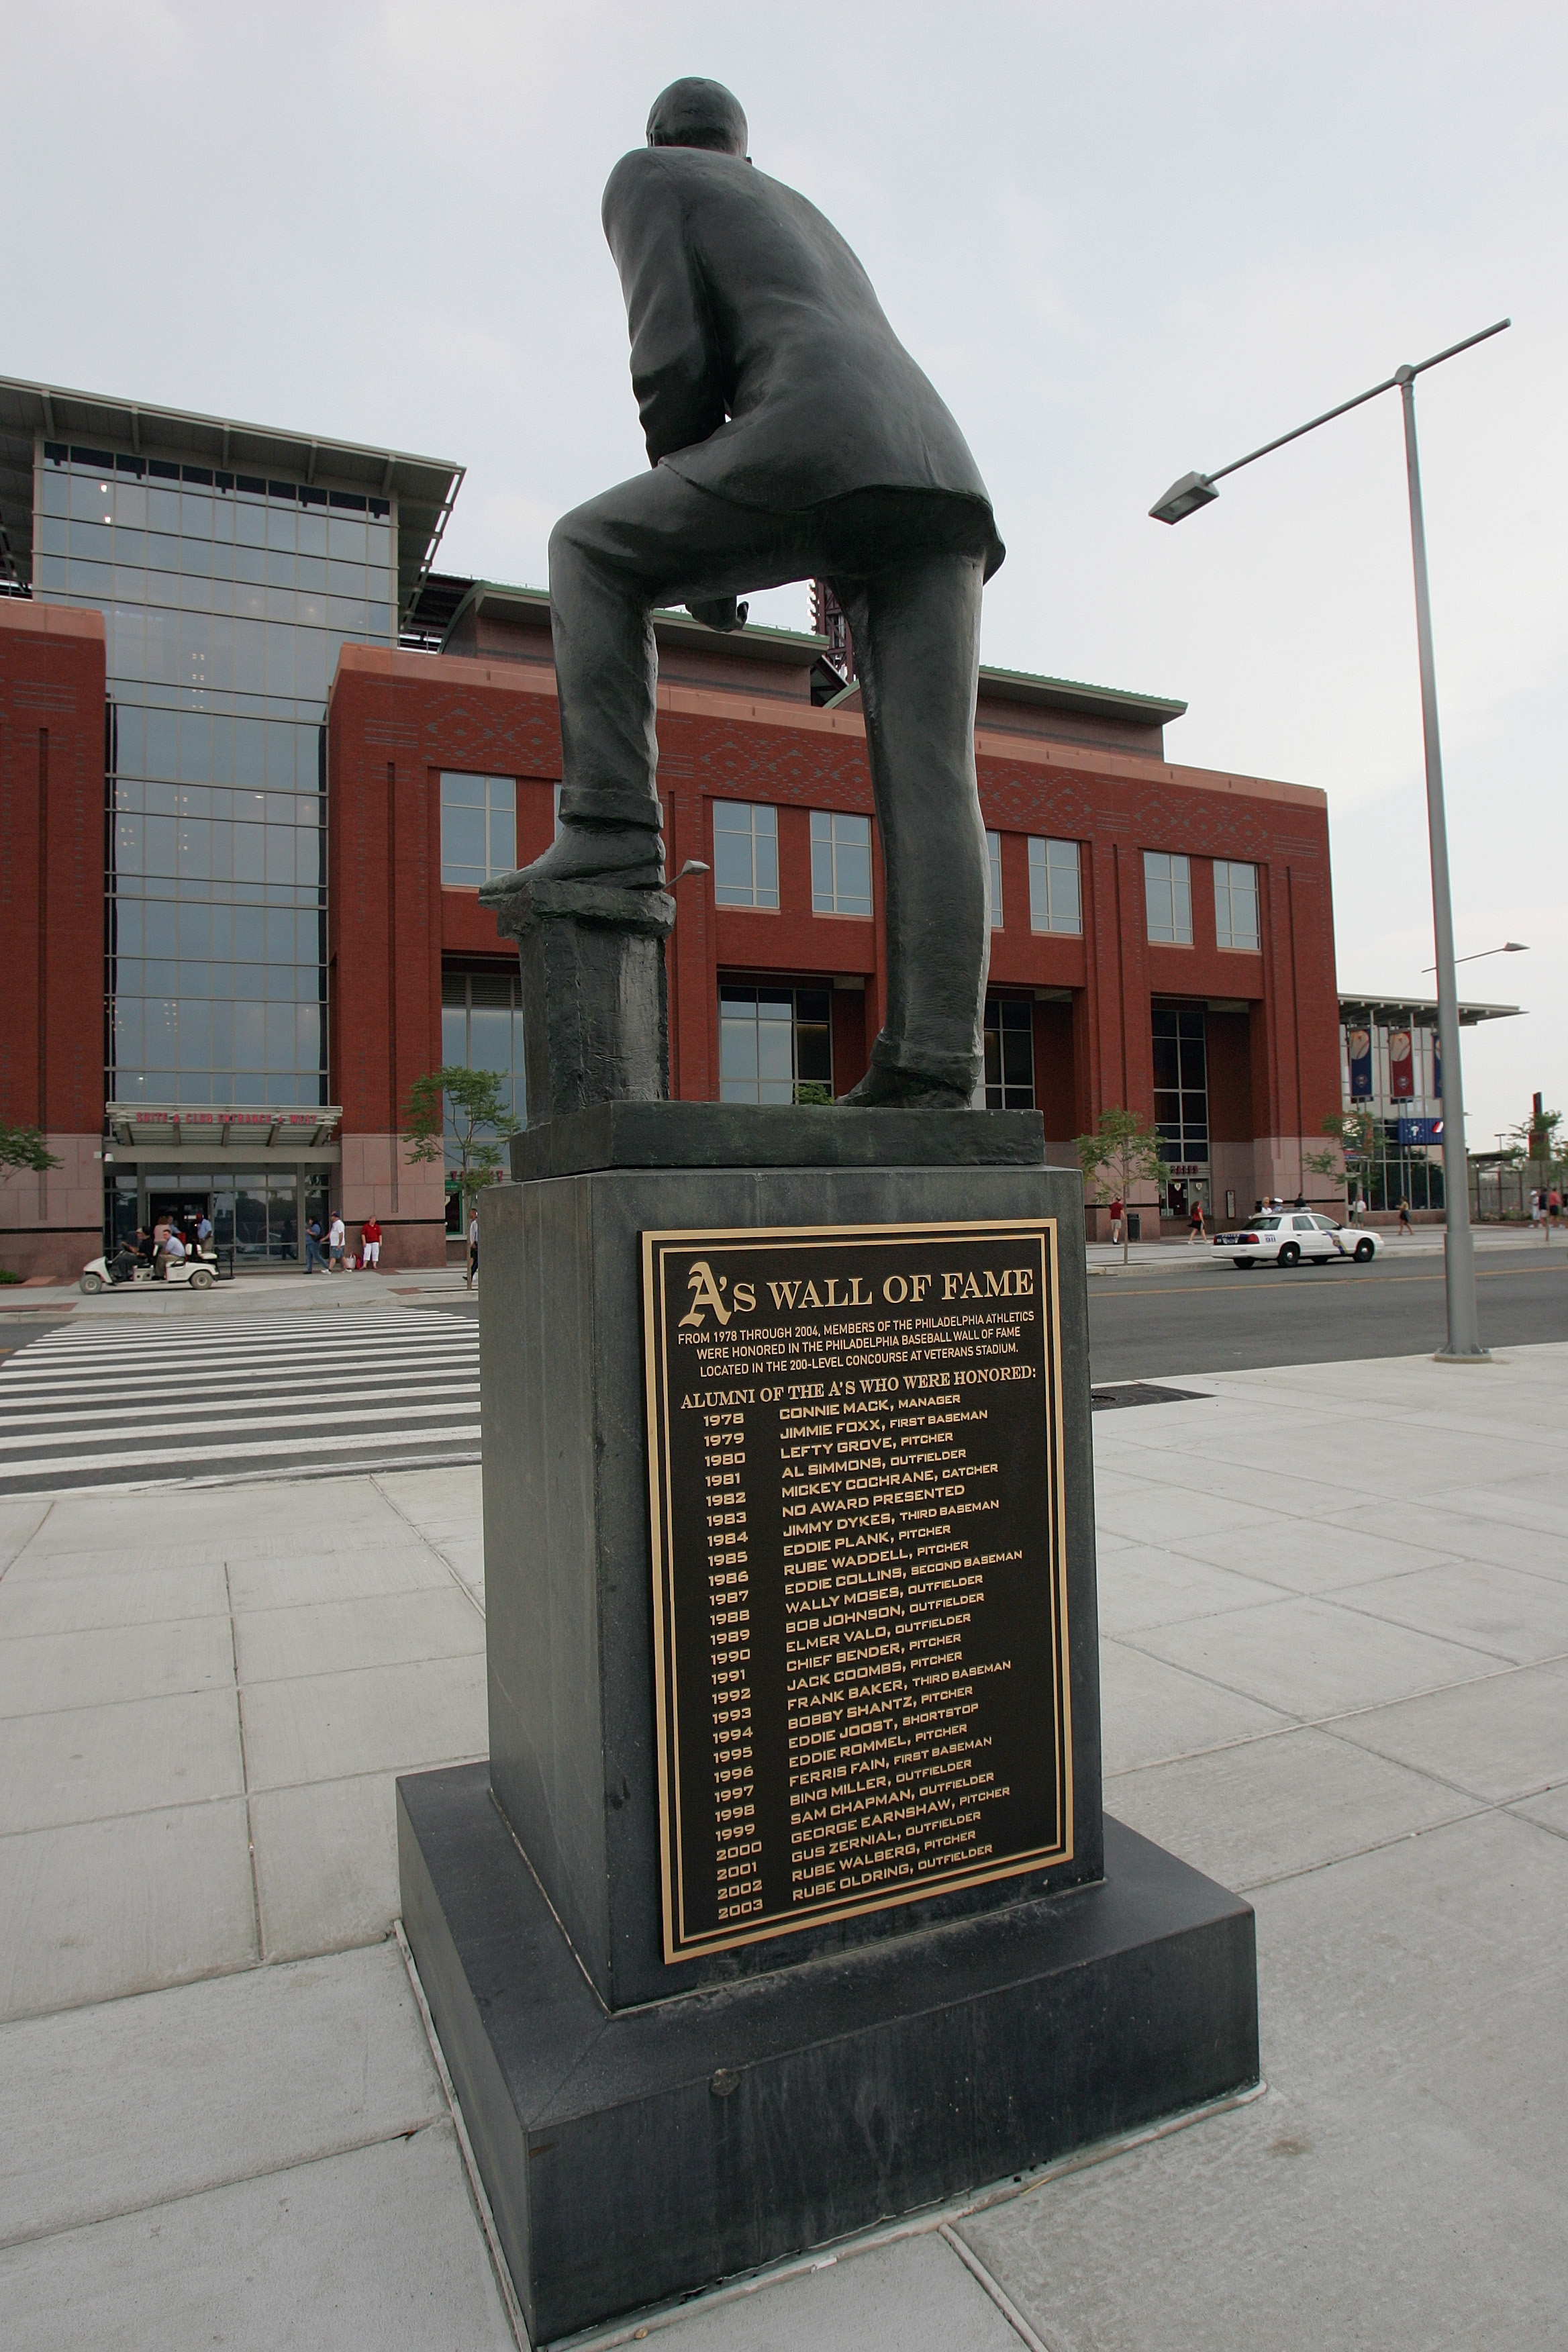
[(859, 1571)]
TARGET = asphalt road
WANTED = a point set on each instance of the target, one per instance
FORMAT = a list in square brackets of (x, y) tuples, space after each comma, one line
[(1157, 1326)]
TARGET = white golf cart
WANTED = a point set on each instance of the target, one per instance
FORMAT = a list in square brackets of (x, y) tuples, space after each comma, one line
[(197, 1271)]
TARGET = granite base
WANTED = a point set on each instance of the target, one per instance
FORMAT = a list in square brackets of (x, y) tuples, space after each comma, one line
[(635, 2155)]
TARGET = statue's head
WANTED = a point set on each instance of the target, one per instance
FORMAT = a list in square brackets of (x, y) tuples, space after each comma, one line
[(697, 113)]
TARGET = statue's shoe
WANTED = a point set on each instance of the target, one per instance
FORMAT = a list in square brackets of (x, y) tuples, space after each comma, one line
[(631, 856), (892, 1085)]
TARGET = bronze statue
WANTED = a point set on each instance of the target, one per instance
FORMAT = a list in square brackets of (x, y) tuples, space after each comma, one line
[(791, 436)]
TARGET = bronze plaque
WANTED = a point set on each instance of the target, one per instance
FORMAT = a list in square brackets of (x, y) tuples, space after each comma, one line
[(858, 1571)]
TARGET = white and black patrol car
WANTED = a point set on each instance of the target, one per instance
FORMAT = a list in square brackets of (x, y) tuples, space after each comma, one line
[(1296, 1237)]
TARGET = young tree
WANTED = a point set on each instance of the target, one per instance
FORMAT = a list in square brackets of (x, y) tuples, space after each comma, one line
[(1355, 1136), (24, 1147), (1539, 1137), (467, 1108), (1121, 1152)]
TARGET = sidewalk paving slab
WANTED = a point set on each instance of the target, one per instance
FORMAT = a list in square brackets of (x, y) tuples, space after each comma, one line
[(92, 1910), (92, 1763), (318, 2058), (376, 2247)]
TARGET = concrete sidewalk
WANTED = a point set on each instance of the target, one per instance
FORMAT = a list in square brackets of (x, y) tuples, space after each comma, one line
[(1334, 1640), (247, 1293)]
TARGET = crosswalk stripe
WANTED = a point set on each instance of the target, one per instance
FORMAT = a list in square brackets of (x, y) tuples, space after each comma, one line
[(61, 1417), (237, 1398)]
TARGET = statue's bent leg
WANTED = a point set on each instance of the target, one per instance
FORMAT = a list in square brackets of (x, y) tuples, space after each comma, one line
[(606, 668), (916, 645), (652, 541)]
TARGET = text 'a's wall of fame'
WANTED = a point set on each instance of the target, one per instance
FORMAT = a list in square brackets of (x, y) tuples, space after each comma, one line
[(859, 1571)]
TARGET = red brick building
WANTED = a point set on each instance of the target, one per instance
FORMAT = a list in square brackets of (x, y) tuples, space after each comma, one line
[(51, 928), (256, 760), (1165, 936)]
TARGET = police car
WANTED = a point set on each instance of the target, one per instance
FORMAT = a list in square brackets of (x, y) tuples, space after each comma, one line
[(1295, 1237)]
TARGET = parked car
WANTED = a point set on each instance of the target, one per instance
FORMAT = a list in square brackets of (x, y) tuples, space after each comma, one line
[(1295, 1237)]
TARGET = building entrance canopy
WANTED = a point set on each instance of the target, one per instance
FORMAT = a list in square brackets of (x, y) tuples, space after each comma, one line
[(169, 1132)]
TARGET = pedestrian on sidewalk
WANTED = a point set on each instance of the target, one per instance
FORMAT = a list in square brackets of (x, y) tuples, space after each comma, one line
[(1196, 1222), (314, 1262), (337, 1241), (1405, 1224), (370, 1245), (203, 1231), (472, 1275), (1116, 1221), (1553, 1212)]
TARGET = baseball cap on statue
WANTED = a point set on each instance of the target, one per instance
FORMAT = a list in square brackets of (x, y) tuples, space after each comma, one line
[(697, 113)]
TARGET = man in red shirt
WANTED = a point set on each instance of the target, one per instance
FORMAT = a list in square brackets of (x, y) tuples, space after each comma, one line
[(370, 1244)]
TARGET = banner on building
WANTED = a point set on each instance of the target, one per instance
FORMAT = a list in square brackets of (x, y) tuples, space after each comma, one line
[(1436, 1071), (1420, 1130), (1358, 1043), (1401, 1066)]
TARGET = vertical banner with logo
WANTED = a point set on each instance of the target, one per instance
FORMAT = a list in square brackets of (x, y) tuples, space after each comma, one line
[(1401, 1066), (1436, 1071), (1358, 1045)]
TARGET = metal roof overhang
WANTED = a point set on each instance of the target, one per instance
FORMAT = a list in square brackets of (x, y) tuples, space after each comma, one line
[(1026, 690), (1071, 694), (1387, 1009), (425, 488), (182, 1132)]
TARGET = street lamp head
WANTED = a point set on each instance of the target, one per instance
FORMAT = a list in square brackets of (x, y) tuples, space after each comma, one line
[(1185, 497), (1514, 947)]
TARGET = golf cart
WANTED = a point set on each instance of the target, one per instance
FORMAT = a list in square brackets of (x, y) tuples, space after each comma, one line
[(197, 1271)]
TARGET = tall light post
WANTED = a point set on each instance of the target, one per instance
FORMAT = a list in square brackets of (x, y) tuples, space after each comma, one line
[(1185, 497)]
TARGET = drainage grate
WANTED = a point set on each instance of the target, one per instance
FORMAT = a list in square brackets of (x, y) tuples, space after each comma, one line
[(1144, 1393)]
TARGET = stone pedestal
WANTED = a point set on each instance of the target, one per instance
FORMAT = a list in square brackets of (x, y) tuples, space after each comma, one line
[(652, 2113), (595, 1018)]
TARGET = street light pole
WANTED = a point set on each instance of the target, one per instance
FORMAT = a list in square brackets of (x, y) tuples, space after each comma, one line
[(1458, 1241), (1185, 497)]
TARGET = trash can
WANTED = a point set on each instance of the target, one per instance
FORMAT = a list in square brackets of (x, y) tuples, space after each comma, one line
[(1134, 1226)]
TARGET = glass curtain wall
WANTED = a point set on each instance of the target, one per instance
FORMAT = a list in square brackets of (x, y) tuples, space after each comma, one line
[(1181, 1084), (1008, 1083), (775, 1044), (226, 597), (481, 1029)]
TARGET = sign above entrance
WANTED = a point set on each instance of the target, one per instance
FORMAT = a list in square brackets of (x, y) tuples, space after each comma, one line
[(284, 1134)]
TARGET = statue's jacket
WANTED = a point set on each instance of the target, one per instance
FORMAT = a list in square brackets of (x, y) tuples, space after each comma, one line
[(764, 369)]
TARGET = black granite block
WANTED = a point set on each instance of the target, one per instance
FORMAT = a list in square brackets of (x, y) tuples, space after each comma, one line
[(570, 1630), (750, 1135), (635, 2156)]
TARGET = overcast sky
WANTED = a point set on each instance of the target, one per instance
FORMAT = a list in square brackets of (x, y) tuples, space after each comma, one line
[(1123, 240)]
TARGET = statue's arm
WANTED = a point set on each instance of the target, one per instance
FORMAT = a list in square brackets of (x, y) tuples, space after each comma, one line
[(675, 361)]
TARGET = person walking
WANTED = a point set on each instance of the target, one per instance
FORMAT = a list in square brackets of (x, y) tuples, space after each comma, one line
[(1116, 1221), (337, 1241), (314, 1262), (370, 1245), (472, 1275), (1196, 1222), (1405, 1224), (203, 1231), (1553, 1212)]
